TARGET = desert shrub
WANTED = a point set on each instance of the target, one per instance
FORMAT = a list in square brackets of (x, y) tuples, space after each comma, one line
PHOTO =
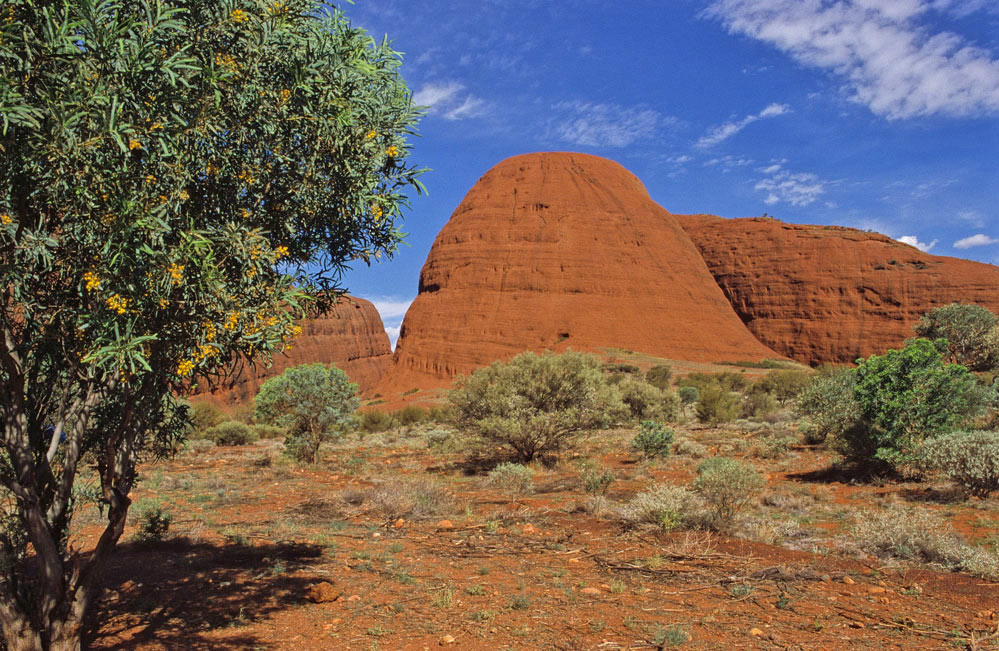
[(232, 432), (643, 399), (907, 396), (152, 521), (773, 446), (727, 486), (971, 333), (664, 505), (597, 482), (970, 459), (784, 386), (690, 448), (513, 478), (200, 445), (629, 369), (717, 405), (314, 401), (687, 395), (758, 403), (828, 404), (441, 439), (439, 414), (653, 439), (374, 420), (411, 415), (414, 498), (204, 416), (535, 405), (669, 407), (659, 376), (268, 431), (919, 535)]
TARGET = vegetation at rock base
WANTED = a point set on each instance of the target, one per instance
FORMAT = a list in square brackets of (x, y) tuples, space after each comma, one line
[(971, 331), (181, 181)]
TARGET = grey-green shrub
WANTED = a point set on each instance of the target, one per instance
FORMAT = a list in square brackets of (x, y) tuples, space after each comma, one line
[(717, 405), (970, 459), (687, 395), (642, 398), (664, 505), (653, 439), (513, 478), (727, 486), (691, 448), (659, 376), (411, 415), (828, 404), (669, 407), (597, 482), (231, 432), (758, 403), (269, 431), (152, 520), (374, 420)]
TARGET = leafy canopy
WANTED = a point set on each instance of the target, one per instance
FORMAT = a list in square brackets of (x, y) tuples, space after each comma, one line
[(971, 331)]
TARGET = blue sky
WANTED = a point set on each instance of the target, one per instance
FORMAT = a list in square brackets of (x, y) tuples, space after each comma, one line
[(875, 114)]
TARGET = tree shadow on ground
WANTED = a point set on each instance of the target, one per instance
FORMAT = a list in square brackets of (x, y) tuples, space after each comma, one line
[(175, 593), (846, 473)]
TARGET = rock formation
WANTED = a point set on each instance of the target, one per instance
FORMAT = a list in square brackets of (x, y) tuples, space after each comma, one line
[(558, 250), (831, 294), (351, 336)]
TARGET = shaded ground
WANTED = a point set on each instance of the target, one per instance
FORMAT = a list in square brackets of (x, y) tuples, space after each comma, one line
[(481, 568)]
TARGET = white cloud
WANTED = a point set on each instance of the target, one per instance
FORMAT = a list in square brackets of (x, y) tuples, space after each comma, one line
[(608, 125), (895, 66), (796, 188), (971, 217), (912, 240), (450, 100), (729, 129), (980, 239), (391, 309)]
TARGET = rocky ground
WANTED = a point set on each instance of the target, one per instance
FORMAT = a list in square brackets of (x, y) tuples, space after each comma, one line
[(390, 544)]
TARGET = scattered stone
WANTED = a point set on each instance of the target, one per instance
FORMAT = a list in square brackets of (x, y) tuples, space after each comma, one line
[(445, 524), (755, 632), (875, 589), (857, 625), (573, 560), (590, 591), (447, 639), (529, 529), (847, 580), (354, 597), (321, 593), (399, 523)]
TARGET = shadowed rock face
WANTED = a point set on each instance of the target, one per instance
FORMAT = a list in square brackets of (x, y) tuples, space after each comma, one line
[(558, 250), (831, 294), (351, 336)]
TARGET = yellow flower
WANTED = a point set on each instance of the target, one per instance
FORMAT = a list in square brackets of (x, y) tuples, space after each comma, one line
[(212, 169), (239, 16), (117, 303), (376, 211), (392, 151), (92, 280), (246, 177), (150, 178), (232, 322), (185, 367), (134, 144), (371, 134), (285, 95), (226, 61), (280, 252), (244, 213), (176, 273), (164, 303), (6, 220), (276, 8), (184, 196)]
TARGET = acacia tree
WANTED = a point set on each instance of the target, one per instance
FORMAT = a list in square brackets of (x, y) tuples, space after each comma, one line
[(180, 180), (971, 331)]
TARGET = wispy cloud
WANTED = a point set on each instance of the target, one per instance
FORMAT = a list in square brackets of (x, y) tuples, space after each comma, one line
[(450, 100), (913, 240), (980, 239), (392, 309), (894, 65), (796, 188), (729, 129), (608, 125)]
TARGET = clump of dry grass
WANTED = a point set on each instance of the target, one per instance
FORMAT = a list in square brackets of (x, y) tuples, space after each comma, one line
[(666, 506), (395, 498)]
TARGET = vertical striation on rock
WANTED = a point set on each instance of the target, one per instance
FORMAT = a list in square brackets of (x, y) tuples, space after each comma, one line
[(559, 250), (827, 293), (351, 336)]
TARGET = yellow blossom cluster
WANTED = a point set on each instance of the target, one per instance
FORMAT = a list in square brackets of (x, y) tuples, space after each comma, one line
[(6, 219), (276, 8), (285, 95), (150, 178), (232, 321), (376, 211), (392, 151), (371, 134), (239, 16), (226, 62), (280, 252), (210, 330), (255, 252), (244, 213), (176, 272), (246, 177), (184, 195), (185, 367), (134, 144), (118, 303), (93, 281), (212, 169)]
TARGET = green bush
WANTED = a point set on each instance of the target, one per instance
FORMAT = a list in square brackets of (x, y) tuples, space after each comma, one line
[(970, 459), (597, 482), (669, 407), (727, 486), (204, 416), (828, 404), (629, 369), (784, 386), (374, 420), (653, 439), (411, 415), (643, 399), (268, 431), (687, 395), (513, 478), (232, 432), (666, 506), (152, 520), (971, 333), (910, 395), (717, 405), (758, 403), (535, 405), (659, 376)]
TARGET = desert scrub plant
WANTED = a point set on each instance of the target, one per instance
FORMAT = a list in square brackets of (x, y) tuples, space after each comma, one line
[(828, 404), (597, 482), (653, 440), (687, 395), (643, 399), (535, 405), (204, 416), (659, 376), (663, 505), (513, 478), (970, 459), (414, 498), (920, 535), (374, 420), (152, 521), (411, 415), (690, 448), (314, 401), (784, 386), (727, 486), (758, 403), (717, 405), (231, 433), (443, 440)]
